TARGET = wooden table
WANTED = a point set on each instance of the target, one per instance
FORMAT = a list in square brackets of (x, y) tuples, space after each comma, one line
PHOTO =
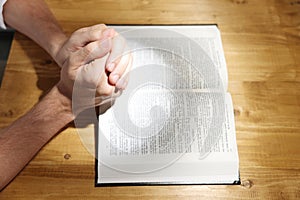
[(261, 41)]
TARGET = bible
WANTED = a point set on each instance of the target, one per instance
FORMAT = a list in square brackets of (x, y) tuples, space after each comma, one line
[(174, 123)]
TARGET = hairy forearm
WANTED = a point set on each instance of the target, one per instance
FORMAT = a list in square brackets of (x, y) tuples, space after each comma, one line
[(25, 137), (34, 19)]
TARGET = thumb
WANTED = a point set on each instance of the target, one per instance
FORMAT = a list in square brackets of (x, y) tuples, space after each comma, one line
[(87, 79)]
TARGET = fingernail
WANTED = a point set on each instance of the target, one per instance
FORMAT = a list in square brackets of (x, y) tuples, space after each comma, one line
[(115, 78), (107, 32), (121, 84), (110, 67)]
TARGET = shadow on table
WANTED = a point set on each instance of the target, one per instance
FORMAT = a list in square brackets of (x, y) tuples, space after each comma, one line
[(48, 73), (6, 37)]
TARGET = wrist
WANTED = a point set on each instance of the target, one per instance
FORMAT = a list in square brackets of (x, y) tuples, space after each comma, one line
[(63, 105), (56, 45), (48, 117)]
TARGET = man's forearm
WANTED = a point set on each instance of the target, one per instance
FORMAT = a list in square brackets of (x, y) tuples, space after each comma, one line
[(34, 19), (25, 137)]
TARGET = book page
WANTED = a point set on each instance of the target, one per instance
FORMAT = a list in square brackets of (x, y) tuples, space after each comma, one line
[(182, 43), (189, 167)]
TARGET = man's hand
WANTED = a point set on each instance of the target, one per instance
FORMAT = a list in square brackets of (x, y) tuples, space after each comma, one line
[(78, 40), (92, 63)]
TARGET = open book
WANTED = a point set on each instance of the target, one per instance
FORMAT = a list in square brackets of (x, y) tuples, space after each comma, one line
[(176, 124)]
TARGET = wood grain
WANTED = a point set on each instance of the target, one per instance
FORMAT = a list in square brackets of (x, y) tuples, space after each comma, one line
[(261, 40)]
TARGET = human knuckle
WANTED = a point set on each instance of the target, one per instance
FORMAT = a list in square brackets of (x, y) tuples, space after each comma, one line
[(89, 49), (81, 30), (97, 27), (102, 26), (73, 38), (94, 34)]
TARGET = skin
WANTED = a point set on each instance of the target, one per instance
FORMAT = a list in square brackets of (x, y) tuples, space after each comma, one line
[(89, 53), (34, 19)]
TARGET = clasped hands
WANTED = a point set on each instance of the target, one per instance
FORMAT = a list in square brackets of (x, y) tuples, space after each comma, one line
[(93, 66)]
